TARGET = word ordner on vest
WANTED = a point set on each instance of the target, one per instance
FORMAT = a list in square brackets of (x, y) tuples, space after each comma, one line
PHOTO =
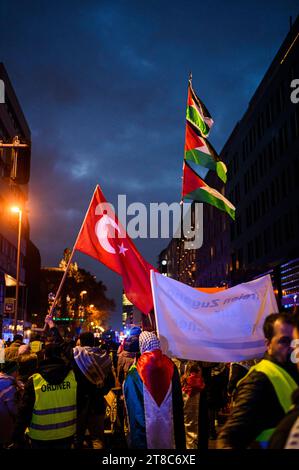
[(51, 388)]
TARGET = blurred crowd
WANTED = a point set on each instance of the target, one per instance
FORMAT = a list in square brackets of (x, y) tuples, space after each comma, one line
[(56, 392)]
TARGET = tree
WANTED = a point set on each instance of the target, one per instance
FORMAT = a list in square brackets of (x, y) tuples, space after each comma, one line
[(82, 296)]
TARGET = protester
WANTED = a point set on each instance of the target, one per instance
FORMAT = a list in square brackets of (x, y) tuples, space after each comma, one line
[(11, 352), (49, 405), (237, 370), (192, 385), (27, 362), (95, 379), (36, 344), (286, 435), (216, 389), (93, 372), (153, 398), (128, 355), (264, 394), (10, 395)]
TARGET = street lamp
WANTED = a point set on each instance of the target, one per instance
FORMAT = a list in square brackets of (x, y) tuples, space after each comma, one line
[(82, 293), (17, 210)]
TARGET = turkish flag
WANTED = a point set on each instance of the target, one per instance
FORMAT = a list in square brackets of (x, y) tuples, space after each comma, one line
[(103, 237)]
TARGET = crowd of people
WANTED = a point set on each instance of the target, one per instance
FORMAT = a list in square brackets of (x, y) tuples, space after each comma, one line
[(52, 393)]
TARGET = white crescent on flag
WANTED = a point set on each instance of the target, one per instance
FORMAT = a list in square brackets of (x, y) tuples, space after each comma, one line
[(101, 230)]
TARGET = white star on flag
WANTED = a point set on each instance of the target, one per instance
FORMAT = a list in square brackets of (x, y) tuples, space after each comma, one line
[(122, 249)]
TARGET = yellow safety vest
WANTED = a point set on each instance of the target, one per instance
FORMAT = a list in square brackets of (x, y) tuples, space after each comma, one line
[(284, 385), (55, 409), (36, 346)]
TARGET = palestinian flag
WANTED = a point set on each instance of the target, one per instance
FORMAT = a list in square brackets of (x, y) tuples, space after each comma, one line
[(196, 189), (201, 152), (197, 113), (153, 400)]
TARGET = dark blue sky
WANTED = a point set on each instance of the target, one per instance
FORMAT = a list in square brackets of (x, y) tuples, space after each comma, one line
[(103, 85)]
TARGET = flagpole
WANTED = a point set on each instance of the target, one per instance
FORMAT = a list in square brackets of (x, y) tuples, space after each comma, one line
[(71, 257), (152, 273), (151, 317)]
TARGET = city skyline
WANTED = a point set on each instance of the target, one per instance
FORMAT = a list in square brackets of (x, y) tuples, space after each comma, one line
[(104, 92)]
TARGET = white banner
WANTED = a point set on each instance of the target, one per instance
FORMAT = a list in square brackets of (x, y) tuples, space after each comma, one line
[(224, 326)]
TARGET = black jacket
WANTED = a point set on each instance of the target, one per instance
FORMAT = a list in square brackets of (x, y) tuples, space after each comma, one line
[(54, 371), (282, 432), (256, 408), (87, 392)]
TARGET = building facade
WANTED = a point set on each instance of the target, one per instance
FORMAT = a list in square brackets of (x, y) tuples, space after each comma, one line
[(14, 179), (131, 316), (178, 260), (262, 155)]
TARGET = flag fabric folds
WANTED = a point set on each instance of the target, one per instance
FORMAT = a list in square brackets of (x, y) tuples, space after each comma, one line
[(103, 237), (196, 189), (223, 326), (197, 148), (201, 152), (197, 114)]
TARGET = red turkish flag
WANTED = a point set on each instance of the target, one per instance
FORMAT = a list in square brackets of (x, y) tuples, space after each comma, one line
[(103, 237)]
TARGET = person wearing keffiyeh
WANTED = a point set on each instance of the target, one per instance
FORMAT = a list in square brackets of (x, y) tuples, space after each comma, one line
[(153, 399)]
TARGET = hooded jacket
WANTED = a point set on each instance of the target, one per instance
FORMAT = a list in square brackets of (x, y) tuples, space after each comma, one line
[(54, 371)]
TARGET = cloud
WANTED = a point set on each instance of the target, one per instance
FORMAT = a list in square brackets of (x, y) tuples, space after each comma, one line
[(103, 86)]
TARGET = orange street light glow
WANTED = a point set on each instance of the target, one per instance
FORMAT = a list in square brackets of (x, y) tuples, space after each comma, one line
[(15, 209)]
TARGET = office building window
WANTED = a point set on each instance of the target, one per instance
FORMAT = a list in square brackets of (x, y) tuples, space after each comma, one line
[(277, 189), (292, 72), (263, 204), (258, 246), (237, 193), (269, 114), (267, 204), (273, 194), (232, 231), (267, 236), (261, 165), (295, 124), (233, 261), (274, 148), (240, 258), (288, 226), (277, 234), (285, 135), (262, 123), (236, 162), (239, 225), (250, 254), (279, 98), (248, 216), (283, 184), (245, 183)]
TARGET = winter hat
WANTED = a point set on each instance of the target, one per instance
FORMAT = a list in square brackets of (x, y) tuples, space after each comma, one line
[(131, 344), (8, 367), (148, 341), (135, 331), (24, 349)]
